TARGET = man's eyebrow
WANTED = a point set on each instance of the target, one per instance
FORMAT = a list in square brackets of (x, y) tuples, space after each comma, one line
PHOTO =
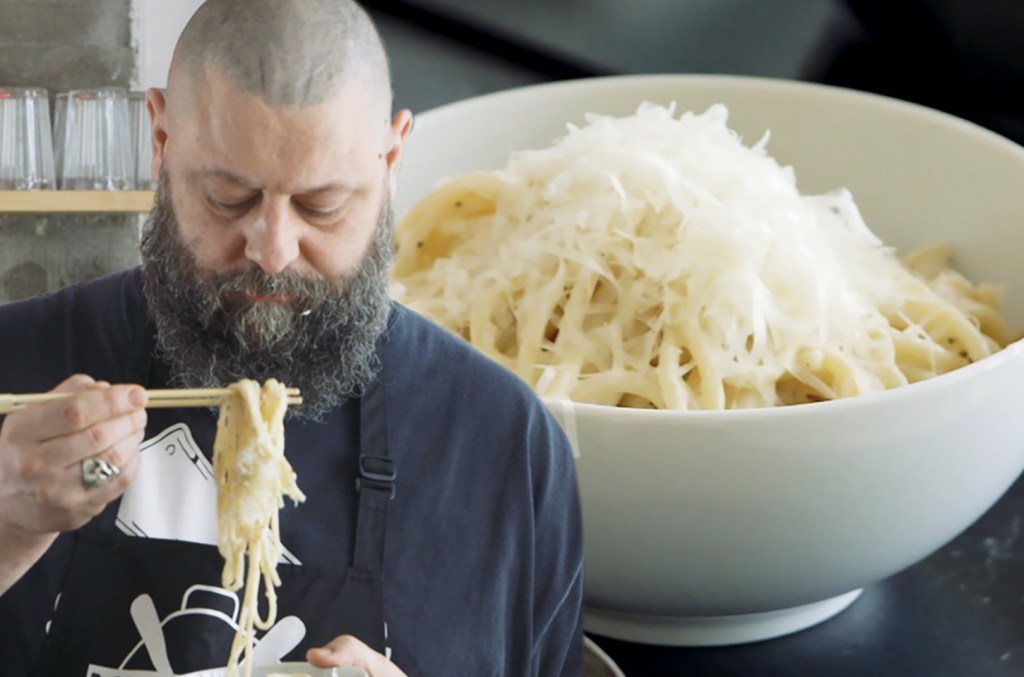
[(231, 177), (336, 186), (224, 175)]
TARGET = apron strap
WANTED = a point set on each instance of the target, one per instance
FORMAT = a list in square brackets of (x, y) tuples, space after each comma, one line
[(375, 482)]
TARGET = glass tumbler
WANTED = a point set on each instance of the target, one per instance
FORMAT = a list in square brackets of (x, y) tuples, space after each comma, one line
[(60, 114), (142, 149), (26, 145), (97, 151)]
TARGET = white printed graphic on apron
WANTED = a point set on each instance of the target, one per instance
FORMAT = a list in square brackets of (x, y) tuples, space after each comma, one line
[(281, 638), (173, 495)]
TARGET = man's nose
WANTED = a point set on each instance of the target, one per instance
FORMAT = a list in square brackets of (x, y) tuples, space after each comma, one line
[(272, 239)]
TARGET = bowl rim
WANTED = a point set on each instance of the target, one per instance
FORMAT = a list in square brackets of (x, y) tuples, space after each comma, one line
[(643, 80)]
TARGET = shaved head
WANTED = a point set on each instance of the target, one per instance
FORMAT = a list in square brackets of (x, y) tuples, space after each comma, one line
[(289, 52)]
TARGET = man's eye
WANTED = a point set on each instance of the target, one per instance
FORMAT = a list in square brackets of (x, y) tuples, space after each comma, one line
[(233, 205), (317, 213)]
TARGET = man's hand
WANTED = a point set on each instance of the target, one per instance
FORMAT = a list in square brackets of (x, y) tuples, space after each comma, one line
[(348, 651), (42, 448)]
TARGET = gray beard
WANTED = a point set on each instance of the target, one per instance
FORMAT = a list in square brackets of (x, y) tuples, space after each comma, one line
[(323, 341)]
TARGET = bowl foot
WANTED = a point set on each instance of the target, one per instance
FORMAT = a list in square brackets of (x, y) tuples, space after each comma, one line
[(713, 630)]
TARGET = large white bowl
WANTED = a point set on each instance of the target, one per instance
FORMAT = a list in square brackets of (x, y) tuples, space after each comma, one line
[(706, 528)]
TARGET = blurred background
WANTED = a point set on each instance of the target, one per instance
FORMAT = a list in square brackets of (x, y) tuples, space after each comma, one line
[(961, 56)]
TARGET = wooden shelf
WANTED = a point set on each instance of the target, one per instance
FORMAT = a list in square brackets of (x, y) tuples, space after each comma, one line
[(50, 201)]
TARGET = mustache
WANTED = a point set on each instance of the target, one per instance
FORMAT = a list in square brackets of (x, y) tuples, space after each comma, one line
[(303, 293)]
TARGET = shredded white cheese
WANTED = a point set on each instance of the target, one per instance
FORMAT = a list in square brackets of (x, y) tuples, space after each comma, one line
[(655, 260)]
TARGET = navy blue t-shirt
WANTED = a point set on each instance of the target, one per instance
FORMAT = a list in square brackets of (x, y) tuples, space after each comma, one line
[(483, 559)]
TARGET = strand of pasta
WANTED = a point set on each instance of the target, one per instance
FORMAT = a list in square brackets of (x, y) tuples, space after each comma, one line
[(252, 477)]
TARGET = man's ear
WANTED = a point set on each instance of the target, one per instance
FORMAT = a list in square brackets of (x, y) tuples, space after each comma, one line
[(401, 123), (156, 105)]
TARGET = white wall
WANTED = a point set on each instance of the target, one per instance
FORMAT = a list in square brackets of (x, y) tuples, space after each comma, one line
[(156, 25)]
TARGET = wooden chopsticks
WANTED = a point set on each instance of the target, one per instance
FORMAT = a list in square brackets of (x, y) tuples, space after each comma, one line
[(165, 398)]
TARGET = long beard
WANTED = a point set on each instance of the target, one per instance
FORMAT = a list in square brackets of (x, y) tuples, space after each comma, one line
[(322, 341)]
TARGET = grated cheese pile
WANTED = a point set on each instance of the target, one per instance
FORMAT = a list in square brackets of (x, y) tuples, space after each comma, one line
[(654, 260), (253, 477)]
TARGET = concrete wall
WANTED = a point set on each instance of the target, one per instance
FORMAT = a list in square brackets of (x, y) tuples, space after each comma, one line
[(62, 44)]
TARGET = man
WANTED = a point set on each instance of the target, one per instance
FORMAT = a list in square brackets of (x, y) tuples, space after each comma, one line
[(441, 530)]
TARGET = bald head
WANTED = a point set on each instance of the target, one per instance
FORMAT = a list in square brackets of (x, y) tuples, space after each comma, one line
[(289, 52)]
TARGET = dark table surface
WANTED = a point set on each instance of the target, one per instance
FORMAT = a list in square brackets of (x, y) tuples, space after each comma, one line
[(957, 613)]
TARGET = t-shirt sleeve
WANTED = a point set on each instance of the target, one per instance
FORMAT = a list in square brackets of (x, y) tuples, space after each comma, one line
[(558, 567)]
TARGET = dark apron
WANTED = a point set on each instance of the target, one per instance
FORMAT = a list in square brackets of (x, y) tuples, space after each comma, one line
[(110, 571)]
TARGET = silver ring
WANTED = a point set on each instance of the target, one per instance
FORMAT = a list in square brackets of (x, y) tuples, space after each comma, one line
[(96, 471)]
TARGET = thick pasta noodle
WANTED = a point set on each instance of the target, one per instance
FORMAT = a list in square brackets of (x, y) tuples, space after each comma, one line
[(253, 477), (655, 260)]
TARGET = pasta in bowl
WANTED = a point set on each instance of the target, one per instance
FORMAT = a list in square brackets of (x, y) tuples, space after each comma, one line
[(707, 279)]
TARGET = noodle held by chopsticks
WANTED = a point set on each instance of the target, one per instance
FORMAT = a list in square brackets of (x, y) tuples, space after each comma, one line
[(253, 477)]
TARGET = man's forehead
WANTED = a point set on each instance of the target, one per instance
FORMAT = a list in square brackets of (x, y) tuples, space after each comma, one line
[(234, 135)]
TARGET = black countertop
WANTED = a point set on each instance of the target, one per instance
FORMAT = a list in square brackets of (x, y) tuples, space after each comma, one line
[(957, 613)]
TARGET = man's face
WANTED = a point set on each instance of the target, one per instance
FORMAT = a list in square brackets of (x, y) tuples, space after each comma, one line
[(267, 251), (321, 339), (276, 187)]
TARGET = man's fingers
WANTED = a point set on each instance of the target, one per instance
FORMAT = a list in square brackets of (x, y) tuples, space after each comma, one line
[(42, 447), (126, 449), (122, 455), (75, 383), (100, 403), (89, 405), (96, 440), (105, 493), (114, 440), (346, 650)]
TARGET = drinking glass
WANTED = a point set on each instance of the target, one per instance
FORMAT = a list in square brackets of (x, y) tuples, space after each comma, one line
[(60, 110), (26, 146), (97, 151), (142, 149)]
